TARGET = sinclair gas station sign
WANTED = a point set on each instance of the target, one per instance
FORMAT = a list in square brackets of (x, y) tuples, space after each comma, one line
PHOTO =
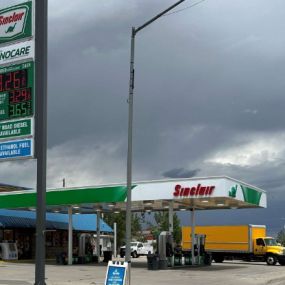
[(16, 22), (17, 100)]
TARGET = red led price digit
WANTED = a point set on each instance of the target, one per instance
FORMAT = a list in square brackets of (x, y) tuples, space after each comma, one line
[(24, 78), (8, 81), (26, 94), (16, 80)]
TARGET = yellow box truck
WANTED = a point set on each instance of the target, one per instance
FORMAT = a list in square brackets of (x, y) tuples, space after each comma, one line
[(247, 242)]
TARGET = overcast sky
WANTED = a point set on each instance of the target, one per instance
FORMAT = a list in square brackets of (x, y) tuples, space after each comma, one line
[(208, 99)]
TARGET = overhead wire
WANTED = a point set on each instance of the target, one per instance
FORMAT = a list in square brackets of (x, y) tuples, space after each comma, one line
[(185, 8)]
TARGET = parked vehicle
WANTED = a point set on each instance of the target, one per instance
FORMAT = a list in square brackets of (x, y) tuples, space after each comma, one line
[(247, 242), (137, 249)]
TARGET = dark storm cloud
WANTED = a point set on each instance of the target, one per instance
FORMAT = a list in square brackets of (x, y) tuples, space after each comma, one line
[(180, 173), (207, 79), (209, 75)]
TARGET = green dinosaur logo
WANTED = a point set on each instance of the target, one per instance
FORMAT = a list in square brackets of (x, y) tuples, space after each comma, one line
[(11, 29), (233, 191)]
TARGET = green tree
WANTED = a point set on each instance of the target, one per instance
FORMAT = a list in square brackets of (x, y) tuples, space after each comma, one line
[(281, 237), (162, 224), (120, 219)]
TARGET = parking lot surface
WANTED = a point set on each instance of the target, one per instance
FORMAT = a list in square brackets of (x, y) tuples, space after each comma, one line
[(230, 272)]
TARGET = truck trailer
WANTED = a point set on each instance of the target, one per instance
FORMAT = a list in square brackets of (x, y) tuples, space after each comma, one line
[(246, 242)]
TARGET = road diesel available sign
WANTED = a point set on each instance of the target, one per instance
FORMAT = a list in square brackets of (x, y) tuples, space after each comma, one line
[(16, 22), (14, 129)]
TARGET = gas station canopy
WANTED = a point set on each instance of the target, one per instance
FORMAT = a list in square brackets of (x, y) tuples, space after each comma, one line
[(183, 194)]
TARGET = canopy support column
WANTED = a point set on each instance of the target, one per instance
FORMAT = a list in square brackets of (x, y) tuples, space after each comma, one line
[(170, 221), (115, 240), (70, 234), (193, 235), (98, 235), (170, 217)]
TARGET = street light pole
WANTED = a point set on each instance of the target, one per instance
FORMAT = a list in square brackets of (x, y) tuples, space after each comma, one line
[(130, 127)]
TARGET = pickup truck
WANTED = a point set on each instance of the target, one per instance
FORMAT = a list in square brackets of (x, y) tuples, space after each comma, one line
[(137, 249), (247, 242)]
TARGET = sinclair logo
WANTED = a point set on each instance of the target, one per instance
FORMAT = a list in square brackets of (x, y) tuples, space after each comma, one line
[(199, 190), (15, 22)]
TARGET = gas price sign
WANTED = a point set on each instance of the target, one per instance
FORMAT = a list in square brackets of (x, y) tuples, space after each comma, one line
[(16, 91)]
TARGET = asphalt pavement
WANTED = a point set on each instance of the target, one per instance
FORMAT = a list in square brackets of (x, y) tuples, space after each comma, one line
[(229, 272)]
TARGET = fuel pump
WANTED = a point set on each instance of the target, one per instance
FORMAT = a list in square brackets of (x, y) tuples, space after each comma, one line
[(200, 255), (165, 249)]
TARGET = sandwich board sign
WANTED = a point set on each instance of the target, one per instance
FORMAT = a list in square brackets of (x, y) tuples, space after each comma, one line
[(116, 273)]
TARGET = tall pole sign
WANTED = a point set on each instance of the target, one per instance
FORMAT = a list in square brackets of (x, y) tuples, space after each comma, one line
[(17, 88), (23, 100), (41, 133)]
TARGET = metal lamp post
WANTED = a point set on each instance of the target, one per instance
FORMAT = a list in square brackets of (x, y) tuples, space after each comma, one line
[(130, 128)]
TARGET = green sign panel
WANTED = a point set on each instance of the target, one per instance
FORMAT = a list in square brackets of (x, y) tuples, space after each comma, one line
[(16, 91), (16, 22), (14, 129)]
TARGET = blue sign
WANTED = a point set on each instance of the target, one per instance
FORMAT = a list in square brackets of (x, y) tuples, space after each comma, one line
[(16, 149), (115, 275)]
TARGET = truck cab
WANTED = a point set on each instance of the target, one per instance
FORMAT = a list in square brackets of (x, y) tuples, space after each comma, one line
[(137, 249), (268, 248)]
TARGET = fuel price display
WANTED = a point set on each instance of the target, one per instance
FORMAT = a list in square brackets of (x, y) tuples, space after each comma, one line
[(16, 91)]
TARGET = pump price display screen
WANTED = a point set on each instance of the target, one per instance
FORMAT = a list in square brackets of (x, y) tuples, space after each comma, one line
[(16, 91)]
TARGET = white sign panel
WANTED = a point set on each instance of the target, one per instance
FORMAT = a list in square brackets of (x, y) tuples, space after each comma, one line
[(24, 50)]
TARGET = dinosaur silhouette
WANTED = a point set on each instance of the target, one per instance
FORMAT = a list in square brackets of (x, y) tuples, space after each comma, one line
[(11, 29), (233, 191)]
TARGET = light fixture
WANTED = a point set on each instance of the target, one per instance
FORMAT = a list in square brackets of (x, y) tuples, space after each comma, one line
[(182, 208), (148, 209), (76, 207), (56, 210), (97, 208), (116, 211), (220, 204), (165, 205), (111, 205), (205, 201)]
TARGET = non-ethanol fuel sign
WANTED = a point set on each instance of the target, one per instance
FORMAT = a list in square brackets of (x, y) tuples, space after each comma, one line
[(16, 149)]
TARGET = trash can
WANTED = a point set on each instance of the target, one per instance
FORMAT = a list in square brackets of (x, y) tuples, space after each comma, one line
[(81, 260), (75, 260), (162, 264), (208, 259), (107, 255), (61, 258), (152, 262), (95, 259)]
